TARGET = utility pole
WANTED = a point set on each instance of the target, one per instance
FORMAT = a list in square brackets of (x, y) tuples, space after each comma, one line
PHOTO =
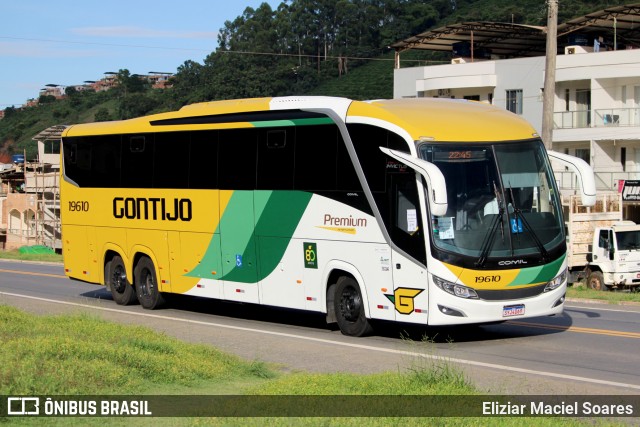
[(550, 74)]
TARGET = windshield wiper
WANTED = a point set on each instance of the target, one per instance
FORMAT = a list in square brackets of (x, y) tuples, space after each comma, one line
[(517, 214), (489, 238)]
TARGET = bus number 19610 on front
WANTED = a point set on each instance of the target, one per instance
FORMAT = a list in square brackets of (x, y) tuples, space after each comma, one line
[(487, 279), (78, 206)]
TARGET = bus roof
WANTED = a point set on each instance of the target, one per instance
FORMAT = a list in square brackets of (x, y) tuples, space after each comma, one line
[(441, 119), (422, 118)]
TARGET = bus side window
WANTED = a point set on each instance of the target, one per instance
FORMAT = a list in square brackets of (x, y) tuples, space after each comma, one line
[(137, 161), (275, 159), (315, 158), (237, 162), (171, 160), (393, 186), (203, 159)]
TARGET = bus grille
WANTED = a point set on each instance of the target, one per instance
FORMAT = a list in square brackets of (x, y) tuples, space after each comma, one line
[(508, 294)]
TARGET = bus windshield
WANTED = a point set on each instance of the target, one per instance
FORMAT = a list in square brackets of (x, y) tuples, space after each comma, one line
[(502, 201)]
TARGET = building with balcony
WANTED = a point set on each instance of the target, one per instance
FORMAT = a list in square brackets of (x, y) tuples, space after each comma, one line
[(597, 86)]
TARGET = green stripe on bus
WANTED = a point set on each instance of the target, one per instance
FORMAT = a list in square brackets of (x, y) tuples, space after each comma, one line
[(250, 249), (293, 122), (540, 274)]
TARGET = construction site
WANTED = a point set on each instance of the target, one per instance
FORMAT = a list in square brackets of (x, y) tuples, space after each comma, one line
[(30, 196)]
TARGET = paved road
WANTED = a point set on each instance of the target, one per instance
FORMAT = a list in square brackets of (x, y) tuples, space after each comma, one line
[(590, 349)]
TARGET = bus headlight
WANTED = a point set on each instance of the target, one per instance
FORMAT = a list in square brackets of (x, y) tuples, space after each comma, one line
[(556, 281), (457, 290)]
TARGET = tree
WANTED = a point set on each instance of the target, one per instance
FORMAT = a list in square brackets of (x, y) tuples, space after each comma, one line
[(46, 99), (10, 111), (130, 83), (135, 106), (188, 83), (102, 115)]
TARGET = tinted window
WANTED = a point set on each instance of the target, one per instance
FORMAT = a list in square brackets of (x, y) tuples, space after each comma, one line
[(237, 161), (275, 158), (393, 185), (93, 161), (171, 160), (316, 158), (137, 161), (203, 160)]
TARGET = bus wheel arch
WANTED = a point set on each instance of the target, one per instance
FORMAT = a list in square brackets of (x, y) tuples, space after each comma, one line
[(349, 307), (332, 272), (116, 279), (146, 282)]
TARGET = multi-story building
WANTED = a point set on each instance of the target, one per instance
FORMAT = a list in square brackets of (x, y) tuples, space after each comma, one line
[(597, 83), (159, 80)]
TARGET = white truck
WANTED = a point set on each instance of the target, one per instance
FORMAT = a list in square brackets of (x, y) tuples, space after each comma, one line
[(602, 249)]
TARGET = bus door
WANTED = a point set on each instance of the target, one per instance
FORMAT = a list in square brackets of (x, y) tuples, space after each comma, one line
[(407, 229), (408, 257), (237, 240)]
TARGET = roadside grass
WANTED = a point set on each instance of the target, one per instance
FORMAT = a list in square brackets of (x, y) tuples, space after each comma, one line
[(83, 355), (611, 297), (16, 255), (79, 354)]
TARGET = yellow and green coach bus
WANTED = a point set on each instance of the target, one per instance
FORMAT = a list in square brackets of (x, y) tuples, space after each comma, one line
[(426, 211)]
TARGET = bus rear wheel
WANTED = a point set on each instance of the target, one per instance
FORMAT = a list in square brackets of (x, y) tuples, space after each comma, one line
[(596, 281), (349, 308), (116, 278), (146, 282)]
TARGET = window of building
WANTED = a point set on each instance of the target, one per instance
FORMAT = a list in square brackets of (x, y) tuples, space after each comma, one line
[(52, 146), (584, 154), (623, 158), (514, 101)]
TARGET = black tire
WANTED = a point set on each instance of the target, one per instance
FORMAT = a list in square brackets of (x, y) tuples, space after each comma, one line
[(349, 308), (115, 276), (146, 283), (595, 281)]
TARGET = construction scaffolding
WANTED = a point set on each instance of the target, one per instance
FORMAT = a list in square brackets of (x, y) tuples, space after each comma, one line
[(30, 196), (44, 182), (41, 180)]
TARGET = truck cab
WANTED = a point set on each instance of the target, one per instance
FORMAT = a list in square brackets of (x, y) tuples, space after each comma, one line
[(614, 259)]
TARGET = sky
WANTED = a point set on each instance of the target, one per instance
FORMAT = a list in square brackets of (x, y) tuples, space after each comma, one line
[(66, 42)]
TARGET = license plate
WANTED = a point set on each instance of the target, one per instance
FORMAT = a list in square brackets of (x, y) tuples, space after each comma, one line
[(513, 310)]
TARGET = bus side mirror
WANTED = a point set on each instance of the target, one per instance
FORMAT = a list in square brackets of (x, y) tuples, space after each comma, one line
[(436, 185), (584, 172)]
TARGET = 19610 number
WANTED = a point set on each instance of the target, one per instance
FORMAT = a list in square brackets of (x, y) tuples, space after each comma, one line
[(487, 279), (78, 206)]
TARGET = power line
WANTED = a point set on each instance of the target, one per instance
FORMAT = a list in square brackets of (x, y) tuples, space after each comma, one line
[(236, 52), (101, 44)]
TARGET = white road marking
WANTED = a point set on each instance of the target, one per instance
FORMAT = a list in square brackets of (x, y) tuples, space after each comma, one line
[(554, 375), (577, 307)]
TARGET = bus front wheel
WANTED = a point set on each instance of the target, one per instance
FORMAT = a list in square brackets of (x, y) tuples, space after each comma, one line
[(116, 278), (146, 283), (349, 308)]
